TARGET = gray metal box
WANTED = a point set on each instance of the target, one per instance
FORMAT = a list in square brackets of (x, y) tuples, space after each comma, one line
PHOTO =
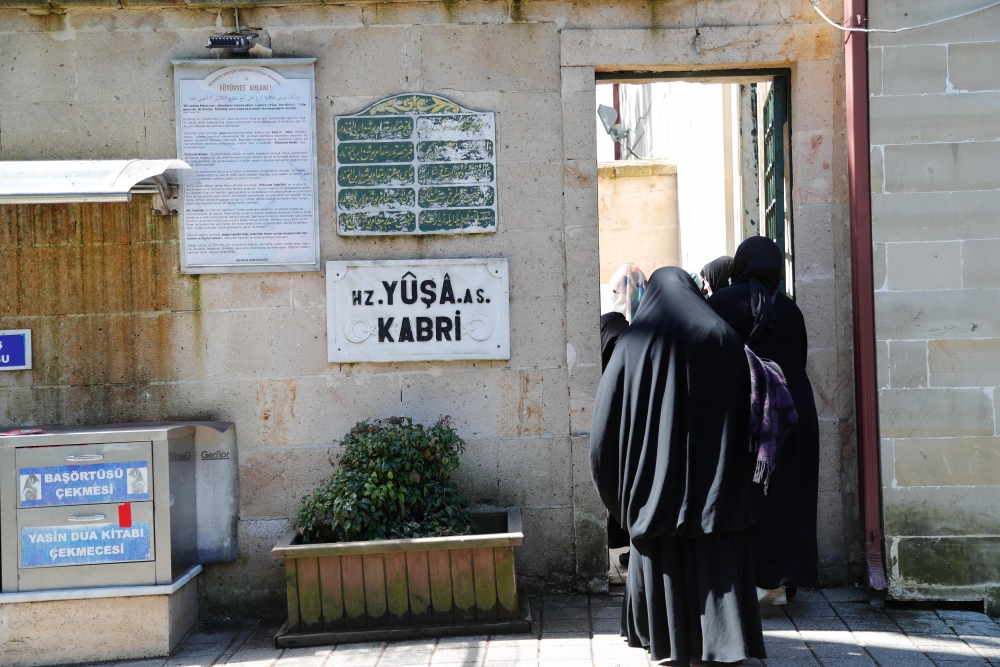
[(129, 504)]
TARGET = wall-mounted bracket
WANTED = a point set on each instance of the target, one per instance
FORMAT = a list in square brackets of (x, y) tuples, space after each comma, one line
[(168, 197)]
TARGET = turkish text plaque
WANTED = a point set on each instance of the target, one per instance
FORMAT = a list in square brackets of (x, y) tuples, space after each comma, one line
[(417, 310), (416, 164), (249, 133)]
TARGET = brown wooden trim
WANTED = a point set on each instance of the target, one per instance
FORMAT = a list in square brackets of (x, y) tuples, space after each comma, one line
[(310, 607), (521, 623), (394, 546), (292, 586), (286, 548), (331, 592), (862, 290)]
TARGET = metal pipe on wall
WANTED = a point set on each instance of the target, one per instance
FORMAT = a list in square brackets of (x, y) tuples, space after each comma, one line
[(862, 294)]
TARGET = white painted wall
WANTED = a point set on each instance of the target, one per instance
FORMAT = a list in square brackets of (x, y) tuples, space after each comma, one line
[(684, 124)]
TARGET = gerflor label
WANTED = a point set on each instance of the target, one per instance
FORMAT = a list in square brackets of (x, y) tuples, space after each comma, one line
[(50, 546), (418, 310), (83, 484)]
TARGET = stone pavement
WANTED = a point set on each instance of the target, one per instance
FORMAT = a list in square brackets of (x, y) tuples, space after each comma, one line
[(832, 628)]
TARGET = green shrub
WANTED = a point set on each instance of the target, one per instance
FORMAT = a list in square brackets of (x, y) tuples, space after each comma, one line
[(394, 481)]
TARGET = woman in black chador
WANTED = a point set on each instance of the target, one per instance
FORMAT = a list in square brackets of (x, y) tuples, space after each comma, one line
[(670, 457), (784, 539)]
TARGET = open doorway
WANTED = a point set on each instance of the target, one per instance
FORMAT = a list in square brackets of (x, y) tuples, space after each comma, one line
[(689, 165)]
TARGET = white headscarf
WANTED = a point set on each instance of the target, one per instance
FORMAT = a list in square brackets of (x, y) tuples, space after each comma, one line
[(627, 285)]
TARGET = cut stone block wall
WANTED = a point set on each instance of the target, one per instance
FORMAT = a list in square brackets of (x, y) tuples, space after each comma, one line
[(122, 336), (639, 220), (935, 95)]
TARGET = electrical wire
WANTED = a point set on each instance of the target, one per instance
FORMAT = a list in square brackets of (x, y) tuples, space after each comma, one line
[(815, 5)]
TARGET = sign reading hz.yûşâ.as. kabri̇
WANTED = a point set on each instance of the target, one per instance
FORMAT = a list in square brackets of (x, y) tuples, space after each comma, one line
[(417, 310), (416, 164)]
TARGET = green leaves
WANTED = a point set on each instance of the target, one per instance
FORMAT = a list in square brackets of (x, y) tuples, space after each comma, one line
[(394, 481)]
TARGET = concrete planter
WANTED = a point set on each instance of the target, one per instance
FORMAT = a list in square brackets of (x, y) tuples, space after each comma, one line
[(398, 589)]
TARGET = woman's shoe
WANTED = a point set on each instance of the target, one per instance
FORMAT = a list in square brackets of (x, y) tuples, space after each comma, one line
[(775, 596)]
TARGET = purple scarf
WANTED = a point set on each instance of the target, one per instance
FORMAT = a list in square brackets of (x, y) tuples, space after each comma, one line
[(772, 414)]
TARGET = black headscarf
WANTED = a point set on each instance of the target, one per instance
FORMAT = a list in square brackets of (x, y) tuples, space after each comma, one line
[(758, 262), (669, 440), (717, 272)]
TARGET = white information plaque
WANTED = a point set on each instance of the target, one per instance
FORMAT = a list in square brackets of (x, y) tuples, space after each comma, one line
[(417, 310), (248, 128)]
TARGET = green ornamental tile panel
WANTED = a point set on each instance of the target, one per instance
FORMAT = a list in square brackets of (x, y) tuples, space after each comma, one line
[(416, 164)]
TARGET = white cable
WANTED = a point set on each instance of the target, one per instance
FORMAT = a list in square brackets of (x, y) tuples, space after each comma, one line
[(815, 5)]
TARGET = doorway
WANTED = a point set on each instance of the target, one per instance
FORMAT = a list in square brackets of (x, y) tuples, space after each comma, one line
[(689, 165)]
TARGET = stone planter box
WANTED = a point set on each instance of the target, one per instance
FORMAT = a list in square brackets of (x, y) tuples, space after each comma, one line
[(398, 589)]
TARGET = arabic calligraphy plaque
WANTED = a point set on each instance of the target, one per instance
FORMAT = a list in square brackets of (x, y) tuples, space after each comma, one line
[(416, 164), (417, 310)]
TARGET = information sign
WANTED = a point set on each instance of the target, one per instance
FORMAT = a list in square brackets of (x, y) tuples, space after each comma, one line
[(15, 350), (249, 133), (416, 164), (52, 546), (418, 310), (83, 484)]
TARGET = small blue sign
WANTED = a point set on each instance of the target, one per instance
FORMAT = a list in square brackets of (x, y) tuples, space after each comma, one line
[(83, 484), (15, 350), (51, 546)]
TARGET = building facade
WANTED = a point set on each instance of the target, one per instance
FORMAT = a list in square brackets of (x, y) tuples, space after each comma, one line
[(121, 335), (934, 157)]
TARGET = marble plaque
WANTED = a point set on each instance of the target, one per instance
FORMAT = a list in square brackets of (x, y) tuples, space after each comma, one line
[(416, 164), (417, 310)]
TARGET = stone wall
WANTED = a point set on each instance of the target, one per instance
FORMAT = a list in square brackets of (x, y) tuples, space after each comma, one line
[(637, 210), (122, 336), (935, 93)]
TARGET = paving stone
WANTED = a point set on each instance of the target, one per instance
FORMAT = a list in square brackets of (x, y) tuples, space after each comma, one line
[(574, 625), (791, 662), (564, 613), (606, 612), (963, 628), (797, 609), (564, 601), (606, 601), (863, 660), (845, 594), (904, 657), (912, 613), (924, 626), (819, 623), (871, 624), (579, 652), (858, 609), (962, 615)]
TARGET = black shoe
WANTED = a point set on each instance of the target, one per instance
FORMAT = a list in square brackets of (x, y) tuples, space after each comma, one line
[(790, 592), (623, 560)]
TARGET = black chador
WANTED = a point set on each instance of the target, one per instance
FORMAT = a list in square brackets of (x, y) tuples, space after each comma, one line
[(784, 539), (670, 456)]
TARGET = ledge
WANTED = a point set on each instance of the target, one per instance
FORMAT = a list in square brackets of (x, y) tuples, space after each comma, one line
[(636, 168), (104, 592)]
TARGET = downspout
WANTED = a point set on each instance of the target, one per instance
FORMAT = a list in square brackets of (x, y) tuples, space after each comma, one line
[(862, 294)]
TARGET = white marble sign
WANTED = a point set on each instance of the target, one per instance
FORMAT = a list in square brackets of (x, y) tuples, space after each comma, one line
[(249, 133), (417, 310)]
